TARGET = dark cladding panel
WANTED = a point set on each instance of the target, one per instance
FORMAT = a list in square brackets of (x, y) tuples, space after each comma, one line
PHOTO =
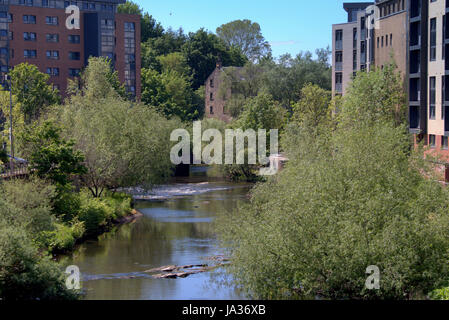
[(91, 35)]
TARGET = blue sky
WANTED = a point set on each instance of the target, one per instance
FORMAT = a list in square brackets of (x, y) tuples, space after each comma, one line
[(290, 26)]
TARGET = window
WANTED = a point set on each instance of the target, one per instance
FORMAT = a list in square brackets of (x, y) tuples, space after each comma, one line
[(74, 55), (444, 143), (74, 72), (53, 21), (26, 2), (443, 95), (382, 42), (130, 26), (391, 39), (74, 38), (432, 140), (53, 72), (339, 35), (339, 56), (211, 82), (354, 60), (433, 39), (432, 99), (29, 19), (378, 42), (3, 52), (354, 38), (29, 36), (211, 110), (211, 96), (52, 37), (52, 54), (30, 54), (45, 3)]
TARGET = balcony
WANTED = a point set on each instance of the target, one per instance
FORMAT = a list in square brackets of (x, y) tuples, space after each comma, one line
[(414, 118), (338, 66), (339, 45), (339, 87), (415, 62)]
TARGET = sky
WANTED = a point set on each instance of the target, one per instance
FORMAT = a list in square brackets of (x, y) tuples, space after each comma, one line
[(291, 26)]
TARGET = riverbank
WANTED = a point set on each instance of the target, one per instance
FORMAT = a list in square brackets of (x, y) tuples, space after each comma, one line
[(176, 231)]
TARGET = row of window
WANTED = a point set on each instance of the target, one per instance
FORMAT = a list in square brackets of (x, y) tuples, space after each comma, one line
[(31, 19), (444, 142), (391, 8), (51, 54), (54, 72), (384, 40), (84, 5), (32, 36)]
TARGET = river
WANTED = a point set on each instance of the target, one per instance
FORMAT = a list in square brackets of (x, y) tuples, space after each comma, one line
[(176, 229)]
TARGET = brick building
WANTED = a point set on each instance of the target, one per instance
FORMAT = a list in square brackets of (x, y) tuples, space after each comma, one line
[(34, 31), (215, 102)]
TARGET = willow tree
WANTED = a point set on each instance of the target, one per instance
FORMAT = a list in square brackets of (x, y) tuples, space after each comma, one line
[(124, 143)]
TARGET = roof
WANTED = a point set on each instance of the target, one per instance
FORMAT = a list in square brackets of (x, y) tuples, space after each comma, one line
[(351, 6)]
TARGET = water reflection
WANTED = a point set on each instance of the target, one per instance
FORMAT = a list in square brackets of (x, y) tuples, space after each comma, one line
[(176, 231)]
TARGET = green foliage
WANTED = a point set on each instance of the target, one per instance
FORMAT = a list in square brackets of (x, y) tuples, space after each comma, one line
[(171, 94), (382, 90), (25, 274), (247, 36), (32, 90), (202, 51), (286, 78), (313, 109), (440, 294), (51, 156), (97, 81), (261, 112), (124, 143), (348, 199), (63, 237)]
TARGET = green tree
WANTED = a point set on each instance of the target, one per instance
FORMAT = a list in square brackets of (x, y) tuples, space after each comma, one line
[(313, 108), (50, 156), (247, 36), (149, 27), (203, 50), (32, 90), (348, 200), (124, 143)]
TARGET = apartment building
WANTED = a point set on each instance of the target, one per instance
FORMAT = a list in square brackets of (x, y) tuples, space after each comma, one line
[(350, 46), (375, 33), (429, 76), (35, 32)]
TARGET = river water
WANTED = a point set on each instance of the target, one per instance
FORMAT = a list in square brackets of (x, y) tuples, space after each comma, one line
[(176, 229)]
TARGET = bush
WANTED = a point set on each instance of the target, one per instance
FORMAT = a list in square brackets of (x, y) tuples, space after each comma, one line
[(64, 237), (24, 273), (120, 203), (94, 213)]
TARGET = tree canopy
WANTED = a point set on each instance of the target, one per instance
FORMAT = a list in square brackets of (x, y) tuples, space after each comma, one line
[(247, 36)]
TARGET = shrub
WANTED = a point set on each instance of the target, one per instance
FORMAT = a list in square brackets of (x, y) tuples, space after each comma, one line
[(94, 213), (24, 273), (64, 237)]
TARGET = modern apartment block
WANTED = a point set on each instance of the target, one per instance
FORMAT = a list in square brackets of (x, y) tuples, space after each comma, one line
[(350, 52), (429, 75), (375, 33), (35, 31)]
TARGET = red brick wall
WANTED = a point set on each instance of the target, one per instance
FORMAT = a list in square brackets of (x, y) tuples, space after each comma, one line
[(41, 45)]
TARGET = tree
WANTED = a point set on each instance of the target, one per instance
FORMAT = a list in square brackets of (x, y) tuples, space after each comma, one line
[(203, 50), (49, 155), (149, 27), (313, 109), (124, 143), (171, 94), (246, 36), (32, 90), (98, 81), (348, 200), (286, 78)]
